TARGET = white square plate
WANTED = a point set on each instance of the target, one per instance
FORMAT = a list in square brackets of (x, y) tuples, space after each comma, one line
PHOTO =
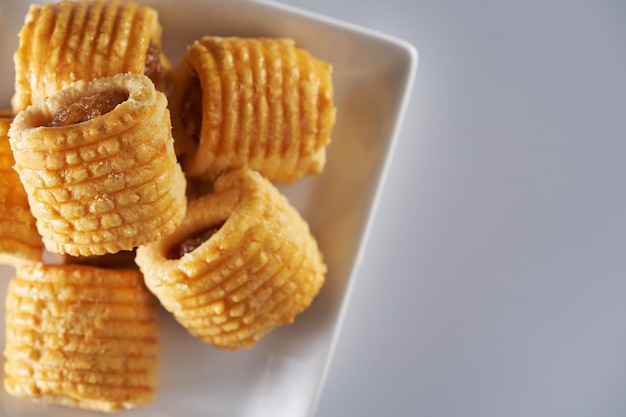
[(283, 374)]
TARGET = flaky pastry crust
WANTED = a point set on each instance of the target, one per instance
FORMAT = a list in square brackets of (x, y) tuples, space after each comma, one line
[(81, 336), (64, 42), (256, 102), (103, 185), (19, 239), (259, 269)]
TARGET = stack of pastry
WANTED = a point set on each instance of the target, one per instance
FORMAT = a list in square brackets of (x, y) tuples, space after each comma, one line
[(245, 113), (92, 152), (116, 153)]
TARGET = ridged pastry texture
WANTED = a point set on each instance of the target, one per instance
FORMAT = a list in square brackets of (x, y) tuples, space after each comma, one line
[(258, 270), (80, 40), (81, 336), (256, 102), (19, 239), (103, 185)]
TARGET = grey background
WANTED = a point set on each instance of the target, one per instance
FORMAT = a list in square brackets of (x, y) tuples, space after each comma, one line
[(495, 277)]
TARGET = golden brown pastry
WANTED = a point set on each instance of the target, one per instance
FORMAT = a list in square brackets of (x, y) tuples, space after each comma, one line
[(19, 239), (80, 40), (81, 336), (258, 102), (97, 162), (242, 262)]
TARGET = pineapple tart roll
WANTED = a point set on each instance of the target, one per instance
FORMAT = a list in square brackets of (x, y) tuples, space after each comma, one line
[(81, 336), (19, 239), (242, 263), (258, 102), (98, 165), (80, 40)]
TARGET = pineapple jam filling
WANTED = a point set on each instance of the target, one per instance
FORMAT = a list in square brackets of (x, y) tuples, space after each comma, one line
[(191, 242), (153, 68), (191, 113), (88, 107)]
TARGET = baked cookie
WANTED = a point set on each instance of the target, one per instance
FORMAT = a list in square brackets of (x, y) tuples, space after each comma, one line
[(81, 336), (97, 162), (241, 263), (19, 239), (64, 42), (256, 102)]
